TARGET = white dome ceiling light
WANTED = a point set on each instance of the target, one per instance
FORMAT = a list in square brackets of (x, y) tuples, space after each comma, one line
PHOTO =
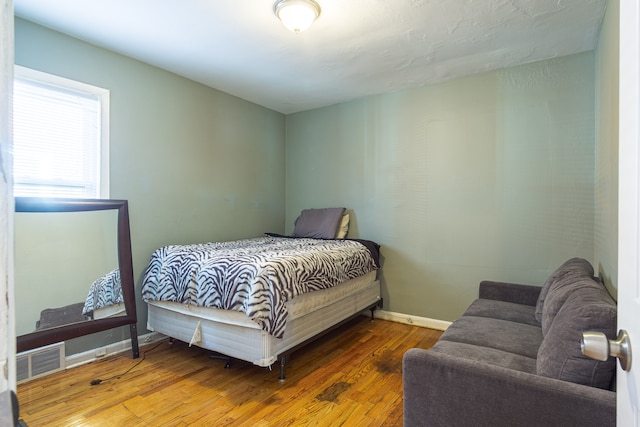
[(296, 15)]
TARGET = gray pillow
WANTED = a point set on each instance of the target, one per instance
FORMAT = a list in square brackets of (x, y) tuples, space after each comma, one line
[(576, 267), (318, 223), (559, 292), (559, 355)]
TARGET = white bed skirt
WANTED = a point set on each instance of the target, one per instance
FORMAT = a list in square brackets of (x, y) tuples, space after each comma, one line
[(233, 334), (110, 311)]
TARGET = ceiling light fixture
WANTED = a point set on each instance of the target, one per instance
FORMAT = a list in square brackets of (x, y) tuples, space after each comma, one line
[(296, 15)]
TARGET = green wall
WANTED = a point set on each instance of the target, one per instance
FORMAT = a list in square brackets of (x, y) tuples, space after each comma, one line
[(491, 176), (484, 177), (607, 99), (195, 164)]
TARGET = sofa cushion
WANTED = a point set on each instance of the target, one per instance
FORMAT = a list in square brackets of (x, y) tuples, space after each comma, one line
[(510, 292), (512, 337), (559, 292), (487, 355), (574, 267), (560, 356), (512, 312)]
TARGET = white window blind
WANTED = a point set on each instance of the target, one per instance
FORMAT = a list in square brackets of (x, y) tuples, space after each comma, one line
[(60, 145)]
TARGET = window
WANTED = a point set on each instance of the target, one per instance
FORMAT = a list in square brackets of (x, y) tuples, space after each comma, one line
[(60, 137)]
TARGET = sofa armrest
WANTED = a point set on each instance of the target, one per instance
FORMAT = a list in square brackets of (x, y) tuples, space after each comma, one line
[(445, 390), (510, 292)]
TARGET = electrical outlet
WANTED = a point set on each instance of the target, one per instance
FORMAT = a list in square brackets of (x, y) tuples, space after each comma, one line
[(101, 352)]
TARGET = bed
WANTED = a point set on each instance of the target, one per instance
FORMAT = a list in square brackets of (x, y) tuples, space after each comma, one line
[(260, 299), (105, 298)]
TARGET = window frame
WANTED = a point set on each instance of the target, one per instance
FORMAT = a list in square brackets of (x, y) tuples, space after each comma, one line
[(103, 96)]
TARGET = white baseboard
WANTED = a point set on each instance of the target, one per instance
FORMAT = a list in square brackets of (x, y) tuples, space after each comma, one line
[(109, 350), (409, 319)]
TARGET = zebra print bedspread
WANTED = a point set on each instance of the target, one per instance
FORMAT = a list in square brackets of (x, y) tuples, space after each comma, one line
[(255, 276), (105, 291)]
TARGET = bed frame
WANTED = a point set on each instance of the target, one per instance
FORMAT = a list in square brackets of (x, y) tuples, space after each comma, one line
[(233, 335)]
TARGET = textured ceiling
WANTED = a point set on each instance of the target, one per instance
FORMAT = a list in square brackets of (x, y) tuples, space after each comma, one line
[(355, 48)]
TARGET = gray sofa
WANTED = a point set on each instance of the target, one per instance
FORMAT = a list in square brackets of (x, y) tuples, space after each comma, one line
[(514, 358)]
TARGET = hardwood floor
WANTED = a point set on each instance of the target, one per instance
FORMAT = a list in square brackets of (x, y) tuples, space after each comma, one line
[(350, 377)]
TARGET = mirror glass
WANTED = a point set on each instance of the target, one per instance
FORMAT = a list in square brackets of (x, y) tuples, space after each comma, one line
[(73, 270), (66, 268)]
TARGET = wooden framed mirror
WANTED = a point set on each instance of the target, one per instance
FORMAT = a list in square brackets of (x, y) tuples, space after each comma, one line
[(73, 270)]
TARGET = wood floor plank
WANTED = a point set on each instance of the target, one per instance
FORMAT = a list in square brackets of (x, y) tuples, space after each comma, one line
[(351, 377)]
